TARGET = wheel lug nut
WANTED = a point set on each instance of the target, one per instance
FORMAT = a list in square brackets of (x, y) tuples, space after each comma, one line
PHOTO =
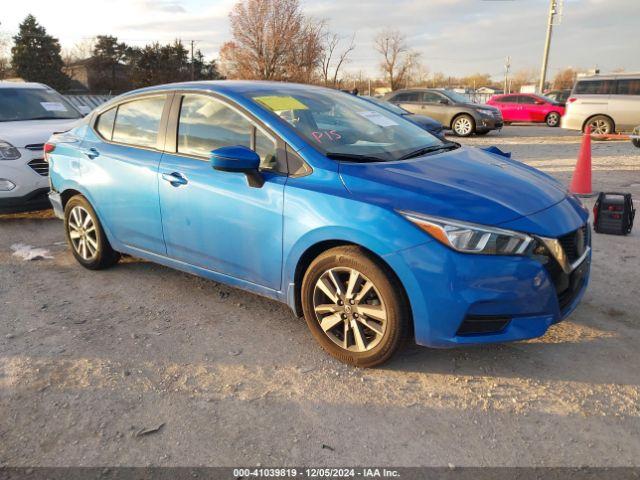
[(344, 316), (352, 301)]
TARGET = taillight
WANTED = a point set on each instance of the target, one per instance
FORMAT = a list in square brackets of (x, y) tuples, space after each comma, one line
[(571, 99), (48, 148)]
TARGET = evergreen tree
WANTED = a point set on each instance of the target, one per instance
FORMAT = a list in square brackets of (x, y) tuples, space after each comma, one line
[(35, 56)]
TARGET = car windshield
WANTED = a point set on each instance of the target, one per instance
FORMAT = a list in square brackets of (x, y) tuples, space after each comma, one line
[(456, 97), (387, 105), (21, 104), (547, 99), (343, 126)]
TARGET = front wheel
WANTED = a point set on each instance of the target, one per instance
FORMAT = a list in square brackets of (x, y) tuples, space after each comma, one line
[(354, 307), (85, 236), (463, 125), (553, 119)]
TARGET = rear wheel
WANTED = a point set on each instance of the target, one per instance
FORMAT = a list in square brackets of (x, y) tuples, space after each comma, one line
[(600, 125), (86, 237), (354, 307), (463, 125), (553, 119)]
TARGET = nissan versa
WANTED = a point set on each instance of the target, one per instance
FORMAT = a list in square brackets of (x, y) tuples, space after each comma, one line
[(362, 222)]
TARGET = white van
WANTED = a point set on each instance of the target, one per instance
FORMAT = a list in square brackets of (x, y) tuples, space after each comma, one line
[(29, 114), (608, 103)]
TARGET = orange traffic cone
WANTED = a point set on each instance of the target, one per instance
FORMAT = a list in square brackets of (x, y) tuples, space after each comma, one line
[(581, 181)]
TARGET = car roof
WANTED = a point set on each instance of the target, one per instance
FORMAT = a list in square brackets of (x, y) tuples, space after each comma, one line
[(229, 86), (25, 85), (612, 76)]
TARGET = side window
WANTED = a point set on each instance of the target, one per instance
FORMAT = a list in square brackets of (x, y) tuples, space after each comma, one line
[(431, 97), (526, 100), (267, 150), (629, 86), (104, 123), (137, 122), (406, 97), (207, 124), (595, 87)]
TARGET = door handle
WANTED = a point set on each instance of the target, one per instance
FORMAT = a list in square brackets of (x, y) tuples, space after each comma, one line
[(174, 178), (92, 153)]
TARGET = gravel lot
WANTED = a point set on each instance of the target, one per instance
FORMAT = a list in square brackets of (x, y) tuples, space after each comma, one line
[(89, 360)]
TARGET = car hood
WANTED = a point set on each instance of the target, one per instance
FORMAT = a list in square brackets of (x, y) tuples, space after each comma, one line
[(31, 132), (467, 184)]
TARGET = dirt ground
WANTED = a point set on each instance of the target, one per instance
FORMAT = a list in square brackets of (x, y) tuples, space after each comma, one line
[(91, 361)]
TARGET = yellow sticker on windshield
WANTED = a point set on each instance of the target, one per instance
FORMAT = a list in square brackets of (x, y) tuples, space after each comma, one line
[(278, 103)]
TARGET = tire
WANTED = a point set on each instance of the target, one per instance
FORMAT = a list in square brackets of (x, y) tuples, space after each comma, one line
[(349, 334), (463, 125), (553, 119), (86, 237), (600, 125)]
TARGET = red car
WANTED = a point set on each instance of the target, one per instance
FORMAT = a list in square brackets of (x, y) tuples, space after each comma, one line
[(527, 107)]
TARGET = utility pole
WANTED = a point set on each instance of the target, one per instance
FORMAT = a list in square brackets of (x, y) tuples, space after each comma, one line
[(507, 67), (553, 11), (192, 69)]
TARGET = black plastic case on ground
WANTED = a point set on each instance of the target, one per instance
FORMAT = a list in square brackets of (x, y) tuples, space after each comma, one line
[(613, 213)]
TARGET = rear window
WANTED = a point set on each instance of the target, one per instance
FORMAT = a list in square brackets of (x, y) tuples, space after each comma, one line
[(595, 87), (630, 86), (406, 97)]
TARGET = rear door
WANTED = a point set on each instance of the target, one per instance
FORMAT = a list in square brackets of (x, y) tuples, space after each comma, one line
[(410, 101), (624, 105), (508, 105), (120, 170), (214, 219)]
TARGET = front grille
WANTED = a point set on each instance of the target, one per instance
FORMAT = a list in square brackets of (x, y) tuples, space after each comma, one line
[(482, 325), (575, 243), (35, 147), (569, 285), (39, 166)]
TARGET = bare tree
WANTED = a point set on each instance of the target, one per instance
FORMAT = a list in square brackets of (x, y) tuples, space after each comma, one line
[(4, 56), (331, 61), (564, 78), (272, 40), (398, 59)]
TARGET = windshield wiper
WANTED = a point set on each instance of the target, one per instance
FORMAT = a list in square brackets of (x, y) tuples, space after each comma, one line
[(353, 157), (431, 149)]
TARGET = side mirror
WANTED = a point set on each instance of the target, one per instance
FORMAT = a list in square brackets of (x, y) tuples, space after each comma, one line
[(238, 159)]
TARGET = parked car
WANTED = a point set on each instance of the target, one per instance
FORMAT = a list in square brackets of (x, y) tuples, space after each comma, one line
[(29, 114), (362, 222), (529, 108), (607, 103), (451, 109), (432, 126), (558, 96)]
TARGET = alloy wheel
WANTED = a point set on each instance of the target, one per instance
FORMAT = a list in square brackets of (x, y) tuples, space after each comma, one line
[(462, 126), (349, 309), (600, 127), (83, 233), (553, 119)]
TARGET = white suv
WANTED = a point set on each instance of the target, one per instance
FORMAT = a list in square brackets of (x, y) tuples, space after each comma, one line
[(29, 114), (607, 103)]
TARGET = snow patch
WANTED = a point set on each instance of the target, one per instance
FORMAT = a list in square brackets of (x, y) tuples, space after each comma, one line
[(29, 252)]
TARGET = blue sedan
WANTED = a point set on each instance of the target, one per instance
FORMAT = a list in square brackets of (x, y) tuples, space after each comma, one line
[(366, 225)]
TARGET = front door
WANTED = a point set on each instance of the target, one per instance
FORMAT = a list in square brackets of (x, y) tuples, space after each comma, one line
[(213, 219)]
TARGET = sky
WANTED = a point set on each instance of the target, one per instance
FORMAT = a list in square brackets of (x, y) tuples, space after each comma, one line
[(455, 37)]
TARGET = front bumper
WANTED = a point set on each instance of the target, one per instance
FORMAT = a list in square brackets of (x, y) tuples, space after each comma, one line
[(29, 174), (485, 123), (464, 299)]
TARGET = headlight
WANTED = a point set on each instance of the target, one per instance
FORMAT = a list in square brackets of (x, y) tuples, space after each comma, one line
[(471, 238), (8, 151), (486, 111)]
